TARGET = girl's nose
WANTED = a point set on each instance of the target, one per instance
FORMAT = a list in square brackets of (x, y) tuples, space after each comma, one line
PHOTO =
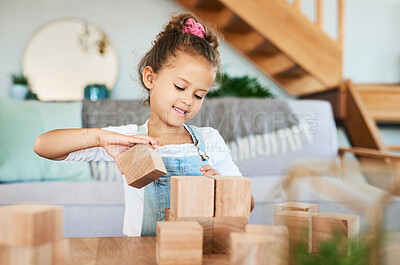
[(188, 100)]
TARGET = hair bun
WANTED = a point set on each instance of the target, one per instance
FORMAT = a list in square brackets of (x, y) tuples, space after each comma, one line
[(177, 24)]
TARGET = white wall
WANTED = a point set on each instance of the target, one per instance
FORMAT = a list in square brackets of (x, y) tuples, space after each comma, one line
[(372, 50), (130, 24), (372, 37)]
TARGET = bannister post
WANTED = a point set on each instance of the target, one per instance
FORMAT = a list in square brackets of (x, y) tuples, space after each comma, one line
[(341, 22), (319, 10), (297, 4)]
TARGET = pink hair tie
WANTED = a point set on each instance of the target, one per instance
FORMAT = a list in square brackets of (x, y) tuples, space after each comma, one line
[(194, 28)]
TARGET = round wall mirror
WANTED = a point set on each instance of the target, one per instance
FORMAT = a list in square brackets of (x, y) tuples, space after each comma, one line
[(66, 55)]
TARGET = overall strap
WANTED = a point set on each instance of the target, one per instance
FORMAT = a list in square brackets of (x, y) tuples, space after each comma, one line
[(196, 134)]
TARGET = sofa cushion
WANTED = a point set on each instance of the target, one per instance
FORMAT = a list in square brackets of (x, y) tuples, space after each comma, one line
[(21, 123), (314, 137), (91, 208)]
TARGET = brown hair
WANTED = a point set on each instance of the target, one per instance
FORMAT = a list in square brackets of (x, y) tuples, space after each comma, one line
[(171, 40)]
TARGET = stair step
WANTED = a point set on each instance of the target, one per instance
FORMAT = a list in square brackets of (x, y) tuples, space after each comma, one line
[(245, 42), (218, 18), (238, 25), (361, 128), (298, 82), (269, 58), (189, 4), (297, 38), (382, 101), (209, 4)]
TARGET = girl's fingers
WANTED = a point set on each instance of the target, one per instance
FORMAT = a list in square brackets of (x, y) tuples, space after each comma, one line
[(142, 140), (205, 168), (143, 136), (210, 173), (147, 138)]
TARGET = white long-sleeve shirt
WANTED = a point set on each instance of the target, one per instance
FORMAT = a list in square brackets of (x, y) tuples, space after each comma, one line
[(214, 146)]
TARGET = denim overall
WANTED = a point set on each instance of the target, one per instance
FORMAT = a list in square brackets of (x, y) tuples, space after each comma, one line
[(156, 194)]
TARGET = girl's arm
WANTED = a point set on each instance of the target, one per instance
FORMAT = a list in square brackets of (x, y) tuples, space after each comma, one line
[(57, 144)]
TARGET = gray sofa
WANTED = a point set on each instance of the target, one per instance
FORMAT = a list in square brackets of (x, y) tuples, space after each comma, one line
[(96, 207)]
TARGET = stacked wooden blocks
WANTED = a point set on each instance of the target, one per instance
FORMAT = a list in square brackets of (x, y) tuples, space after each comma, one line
[(32, 234), (260, 245), (192, 199), (220, 204), (232, 210), (308, 228), (141, 165)]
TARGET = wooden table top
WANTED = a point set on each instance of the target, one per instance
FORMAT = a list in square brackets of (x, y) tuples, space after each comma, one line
[(142, 250), (123, 250)]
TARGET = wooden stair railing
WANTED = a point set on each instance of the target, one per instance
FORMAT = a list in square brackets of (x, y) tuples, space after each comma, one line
[(382, 101), (279, 40), (296, 53), (361, 128)]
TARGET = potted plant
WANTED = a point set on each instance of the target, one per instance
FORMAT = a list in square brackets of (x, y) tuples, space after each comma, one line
[(240, 86), (20, 88)]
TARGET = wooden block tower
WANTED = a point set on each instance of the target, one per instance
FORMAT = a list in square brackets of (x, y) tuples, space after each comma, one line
[(141, 165), (32, 234), (232, 209), (192, 199), (309, 229), (220, 204)]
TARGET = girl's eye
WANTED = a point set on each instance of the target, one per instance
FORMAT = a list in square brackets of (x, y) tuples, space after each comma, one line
[(179, 88), (182, 89)]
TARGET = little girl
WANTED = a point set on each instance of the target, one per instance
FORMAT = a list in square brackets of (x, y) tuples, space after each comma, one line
[(178, 71)]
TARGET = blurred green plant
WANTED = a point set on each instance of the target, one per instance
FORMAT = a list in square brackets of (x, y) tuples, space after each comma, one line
[(240, 86), (19, 79), (330, 253)]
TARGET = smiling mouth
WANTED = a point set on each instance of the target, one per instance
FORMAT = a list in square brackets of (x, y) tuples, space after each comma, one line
[(180, 112)]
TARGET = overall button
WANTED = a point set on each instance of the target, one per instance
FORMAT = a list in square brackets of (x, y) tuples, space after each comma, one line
[(163, 180)]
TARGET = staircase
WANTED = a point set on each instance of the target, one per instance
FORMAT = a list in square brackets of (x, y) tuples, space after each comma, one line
[(284, 44), (300, 57)]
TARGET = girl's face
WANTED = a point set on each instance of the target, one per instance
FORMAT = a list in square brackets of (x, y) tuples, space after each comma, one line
[(178, 90)]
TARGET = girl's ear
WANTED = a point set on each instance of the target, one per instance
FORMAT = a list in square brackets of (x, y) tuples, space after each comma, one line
[(148, 77)]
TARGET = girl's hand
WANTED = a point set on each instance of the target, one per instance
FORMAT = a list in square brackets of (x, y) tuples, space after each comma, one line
[(115, 143), (208, 171)]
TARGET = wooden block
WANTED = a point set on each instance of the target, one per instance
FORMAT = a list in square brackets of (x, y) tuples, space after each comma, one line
[(61, 252), (30, 224), (257, 249), (141, 165), (179, 243), (205, 222), (37, 255), (299, 224), (344, 228), (278, 234), (222, 228), (192, 196), (168, 216), (232, 196), (296, 206)]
